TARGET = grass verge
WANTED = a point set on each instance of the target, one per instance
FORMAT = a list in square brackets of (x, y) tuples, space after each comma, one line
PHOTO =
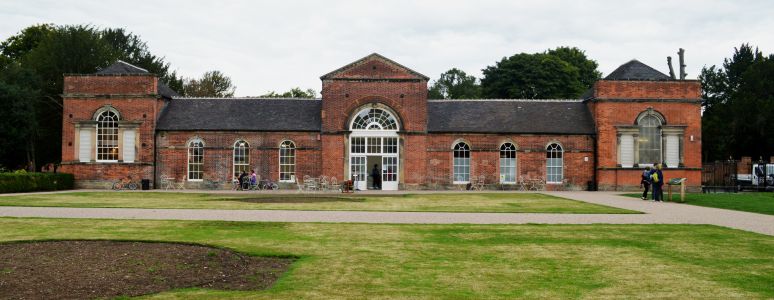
[(462, 261), (762, 203), (447, 202)]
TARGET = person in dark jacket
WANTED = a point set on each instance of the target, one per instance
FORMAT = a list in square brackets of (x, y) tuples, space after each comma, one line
[(243, 184), (377, 175), (645, 182), (657, 178)]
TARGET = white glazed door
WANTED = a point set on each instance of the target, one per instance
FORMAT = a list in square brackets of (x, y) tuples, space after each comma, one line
[(358, 172), (390, 173)]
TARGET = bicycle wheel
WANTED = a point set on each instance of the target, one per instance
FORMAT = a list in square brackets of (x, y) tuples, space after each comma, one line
[(117, 186), (274, 186), (132, 186)]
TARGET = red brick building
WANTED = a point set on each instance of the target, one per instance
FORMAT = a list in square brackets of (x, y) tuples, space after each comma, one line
[(375, 112)]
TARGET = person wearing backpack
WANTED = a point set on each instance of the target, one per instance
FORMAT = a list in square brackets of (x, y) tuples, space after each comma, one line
[(645, 182), (657, 178)]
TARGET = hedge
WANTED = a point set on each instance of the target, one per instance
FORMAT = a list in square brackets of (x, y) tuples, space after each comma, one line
[(33, 182)]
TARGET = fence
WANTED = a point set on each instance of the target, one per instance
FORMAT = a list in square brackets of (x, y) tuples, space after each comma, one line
[(719, 176)]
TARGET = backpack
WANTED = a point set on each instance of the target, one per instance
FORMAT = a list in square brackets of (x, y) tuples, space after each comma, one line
[(654, 176)]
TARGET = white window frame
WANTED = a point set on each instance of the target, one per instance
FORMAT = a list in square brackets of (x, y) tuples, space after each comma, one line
[(243, 147), (374, 119), (462, 162), (650, 114), (285, 147), (551, 153), (506, 148), (194, 144), (99, 135)]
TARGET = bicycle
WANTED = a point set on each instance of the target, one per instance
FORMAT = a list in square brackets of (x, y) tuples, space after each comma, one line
[(125, 183), (267, 184)]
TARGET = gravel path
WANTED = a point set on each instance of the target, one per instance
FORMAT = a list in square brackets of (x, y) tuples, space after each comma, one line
[(654, 213)]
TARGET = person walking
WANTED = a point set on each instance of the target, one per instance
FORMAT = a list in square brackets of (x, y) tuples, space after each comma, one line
[(645, 182), (377, 183), (657, 178)]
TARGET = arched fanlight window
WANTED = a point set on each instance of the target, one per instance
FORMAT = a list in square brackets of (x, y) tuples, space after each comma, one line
[(649, 124), (461, 163), (287, 161), (507, 163), (374, 119), (196, 160), (554, 163), (241, 157), (107, 135)]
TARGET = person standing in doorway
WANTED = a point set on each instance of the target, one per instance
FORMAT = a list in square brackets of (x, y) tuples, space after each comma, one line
[(377, 175), (657, 177), (645, 182)]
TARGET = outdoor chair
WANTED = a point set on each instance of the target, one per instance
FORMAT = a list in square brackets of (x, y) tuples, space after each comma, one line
[(481, 183), (323, 183), (334, 184), (299, 185), (181, 184), (166, 184)]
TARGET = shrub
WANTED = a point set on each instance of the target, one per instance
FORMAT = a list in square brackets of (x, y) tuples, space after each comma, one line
[(33, 182)]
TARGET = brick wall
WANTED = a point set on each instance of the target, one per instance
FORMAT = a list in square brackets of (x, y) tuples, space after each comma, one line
[(530, 156), (620, 102), (133, 96), (219, 153)]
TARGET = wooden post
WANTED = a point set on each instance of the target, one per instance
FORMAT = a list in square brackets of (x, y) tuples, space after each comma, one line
[(682, 190)]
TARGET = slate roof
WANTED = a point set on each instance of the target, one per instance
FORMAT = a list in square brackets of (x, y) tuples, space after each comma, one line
[(510, 116), (121, 67), (241, 114), (635, 70)]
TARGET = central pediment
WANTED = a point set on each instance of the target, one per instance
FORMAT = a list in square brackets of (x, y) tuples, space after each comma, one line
[(374, 67)]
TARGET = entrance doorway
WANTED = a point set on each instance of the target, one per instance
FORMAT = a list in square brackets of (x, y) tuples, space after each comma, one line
[(374, 141)]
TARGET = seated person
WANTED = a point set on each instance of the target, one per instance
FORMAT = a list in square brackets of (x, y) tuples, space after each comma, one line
[(253, 178), (243, 180)]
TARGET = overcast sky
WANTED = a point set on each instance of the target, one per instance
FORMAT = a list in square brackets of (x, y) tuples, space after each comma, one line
[(276, 45)]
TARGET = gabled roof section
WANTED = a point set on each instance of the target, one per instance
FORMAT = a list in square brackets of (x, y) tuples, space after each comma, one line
[(121, 67), (635, 70), (522, 116), (374, 66), (241, 114)]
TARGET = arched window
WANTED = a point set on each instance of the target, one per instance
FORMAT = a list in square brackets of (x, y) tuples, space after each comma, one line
[(107, 136), (554, 163), (241, 157), (374, 119), (649, 138), (461, 163), (507, 163), (195, 160), (287, 161)]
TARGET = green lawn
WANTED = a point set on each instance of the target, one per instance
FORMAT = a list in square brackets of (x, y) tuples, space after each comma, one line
[(366, 261), (762, 203), (449, 202)]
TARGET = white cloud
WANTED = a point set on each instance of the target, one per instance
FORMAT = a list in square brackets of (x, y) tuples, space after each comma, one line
[(281, 44)]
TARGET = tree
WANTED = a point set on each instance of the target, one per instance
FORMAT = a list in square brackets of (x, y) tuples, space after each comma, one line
[(48, 51), (17, 118), (212, 84), (738, 102), (587, 68), (560, 73), (295, 92), (455, 84)]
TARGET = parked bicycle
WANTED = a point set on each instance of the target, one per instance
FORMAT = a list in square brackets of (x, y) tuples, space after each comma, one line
[(125, 183), (267, 184)]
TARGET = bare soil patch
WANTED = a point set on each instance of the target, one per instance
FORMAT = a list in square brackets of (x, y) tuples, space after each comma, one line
[(106, 269)]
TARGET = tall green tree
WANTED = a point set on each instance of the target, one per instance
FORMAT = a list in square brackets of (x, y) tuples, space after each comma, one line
[(560, 73), (738, 105), (295, 92), (18, 97), (587, 68), (212, 84), (455, 84), (49, 51)]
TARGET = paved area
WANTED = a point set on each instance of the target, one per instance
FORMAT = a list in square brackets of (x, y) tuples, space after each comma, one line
[(654, 213)]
